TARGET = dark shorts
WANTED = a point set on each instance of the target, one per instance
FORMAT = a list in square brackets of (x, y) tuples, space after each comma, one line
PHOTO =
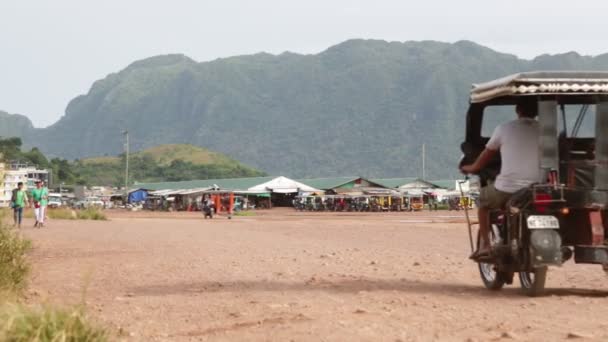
[(492, 198)]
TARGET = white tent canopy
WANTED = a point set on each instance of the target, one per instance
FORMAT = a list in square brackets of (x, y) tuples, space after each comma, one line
[(283, 185)]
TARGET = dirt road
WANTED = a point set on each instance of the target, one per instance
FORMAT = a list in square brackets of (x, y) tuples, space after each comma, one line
[(282, 276)]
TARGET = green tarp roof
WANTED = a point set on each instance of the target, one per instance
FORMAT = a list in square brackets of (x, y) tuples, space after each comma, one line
[(317, 183)]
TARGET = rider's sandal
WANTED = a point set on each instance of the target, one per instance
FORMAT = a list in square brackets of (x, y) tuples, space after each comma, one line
[(478, 254)]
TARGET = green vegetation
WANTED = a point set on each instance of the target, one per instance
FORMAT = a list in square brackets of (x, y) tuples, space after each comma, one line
[(14, 268), (21, 323), (362, 106), (244, 213), (163, 163), (63, 214), (160, 163), (91, 214)]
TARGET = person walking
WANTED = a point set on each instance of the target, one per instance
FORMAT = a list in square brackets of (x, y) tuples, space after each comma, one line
[(19, 202), (40, 197)]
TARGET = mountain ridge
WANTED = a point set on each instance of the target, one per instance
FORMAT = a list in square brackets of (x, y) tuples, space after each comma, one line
[(361, 106)]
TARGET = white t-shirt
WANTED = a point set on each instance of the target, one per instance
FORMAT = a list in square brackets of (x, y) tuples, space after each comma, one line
[(517, 142)]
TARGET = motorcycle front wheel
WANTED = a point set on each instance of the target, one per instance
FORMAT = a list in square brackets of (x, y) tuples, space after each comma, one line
[(491, 276), (533, 283)]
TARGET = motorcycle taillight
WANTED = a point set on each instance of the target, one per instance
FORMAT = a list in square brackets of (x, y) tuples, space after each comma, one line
[(542, 202)]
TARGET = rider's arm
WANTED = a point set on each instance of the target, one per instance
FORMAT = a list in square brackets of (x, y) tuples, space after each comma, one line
[(484, 158), (487, 154)]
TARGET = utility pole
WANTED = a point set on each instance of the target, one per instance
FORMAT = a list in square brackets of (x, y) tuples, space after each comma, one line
[(423, 161), (126, 133)]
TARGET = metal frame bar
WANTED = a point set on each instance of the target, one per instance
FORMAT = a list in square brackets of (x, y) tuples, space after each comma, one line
[(601, 146), (548, 144)]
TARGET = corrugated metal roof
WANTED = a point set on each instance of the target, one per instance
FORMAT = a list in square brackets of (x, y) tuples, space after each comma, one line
[(225, 184), (394, 182), (327, 183), (542, 83), (449, 184)]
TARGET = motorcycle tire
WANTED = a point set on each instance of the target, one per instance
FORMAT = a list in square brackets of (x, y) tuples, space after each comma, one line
[(492, 278), (533, 283)]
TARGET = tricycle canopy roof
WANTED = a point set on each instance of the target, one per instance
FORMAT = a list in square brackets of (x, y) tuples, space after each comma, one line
[(542, 83)]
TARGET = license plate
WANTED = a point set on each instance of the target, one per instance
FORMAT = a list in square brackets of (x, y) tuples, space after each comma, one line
[(543, 222)]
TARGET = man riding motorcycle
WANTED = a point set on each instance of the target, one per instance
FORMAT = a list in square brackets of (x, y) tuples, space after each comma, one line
[(517, 142)]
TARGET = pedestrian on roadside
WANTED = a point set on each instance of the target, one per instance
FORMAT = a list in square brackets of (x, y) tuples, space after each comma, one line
[(19, 202), (40, 197)]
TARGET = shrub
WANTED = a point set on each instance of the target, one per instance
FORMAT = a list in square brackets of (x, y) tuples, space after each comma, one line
[(61, 213), (7, 214), (20, 323), (244, 213), (91, 214), (13, 264)]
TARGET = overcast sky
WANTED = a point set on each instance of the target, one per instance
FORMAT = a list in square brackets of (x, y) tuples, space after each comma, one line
[(52, 51)]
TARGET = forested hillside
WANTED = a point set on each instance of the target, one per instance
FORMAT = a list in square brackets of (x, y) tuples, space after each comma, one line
[(161, 163), (361, 107)]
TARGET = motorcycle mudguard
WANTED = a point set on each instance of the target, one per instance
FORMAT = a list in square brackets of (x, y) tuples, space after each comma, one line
[(545, 247)]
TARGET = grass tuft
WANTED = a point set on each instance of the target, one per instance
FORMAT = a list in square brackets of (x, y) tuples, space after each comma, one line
[(61, 214), (244, 213), (14, 267), (45, 324), (91, 214)]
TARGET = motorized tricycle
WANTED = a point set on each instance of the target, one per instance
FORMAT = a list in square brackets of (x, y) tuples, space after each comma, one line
[(416, 202), (563, 215)]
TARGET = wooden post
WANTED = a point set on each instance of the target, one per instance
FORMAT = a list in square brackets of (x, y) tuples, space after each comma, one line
[(231, 203), (218, 203)]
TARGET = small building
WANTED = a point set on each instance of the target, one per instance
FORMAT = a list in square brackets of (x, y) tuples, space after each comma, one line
[(408, 183), (137, 196), (264, 191), (395, 183), (10, 180), (343, 185), (454, 184), (412, 186), (282, 190)]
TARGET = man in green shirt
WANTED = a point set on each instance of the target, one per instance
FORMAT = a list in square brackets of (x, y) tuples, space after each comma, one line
[(40, 196), (19, 202)]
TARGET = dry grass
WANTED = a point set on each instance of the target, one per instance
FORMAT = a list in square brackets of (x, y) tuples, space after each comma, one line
[(45, 324), (41, 324), (14, 268), (91, 214), (244, 213), (60, 214)]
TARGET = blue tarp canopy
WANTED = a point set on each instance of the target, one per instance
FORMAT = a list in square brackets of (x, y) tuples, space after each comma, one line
[(138, 195)]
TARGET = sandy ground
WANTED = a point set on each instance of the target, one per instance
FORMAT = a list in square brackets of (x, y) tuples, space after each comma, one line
[(288, 276)]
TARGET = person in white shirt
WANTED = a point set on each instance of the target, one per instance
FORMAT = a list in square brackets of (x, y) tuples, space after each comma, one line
[(517, 142)]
